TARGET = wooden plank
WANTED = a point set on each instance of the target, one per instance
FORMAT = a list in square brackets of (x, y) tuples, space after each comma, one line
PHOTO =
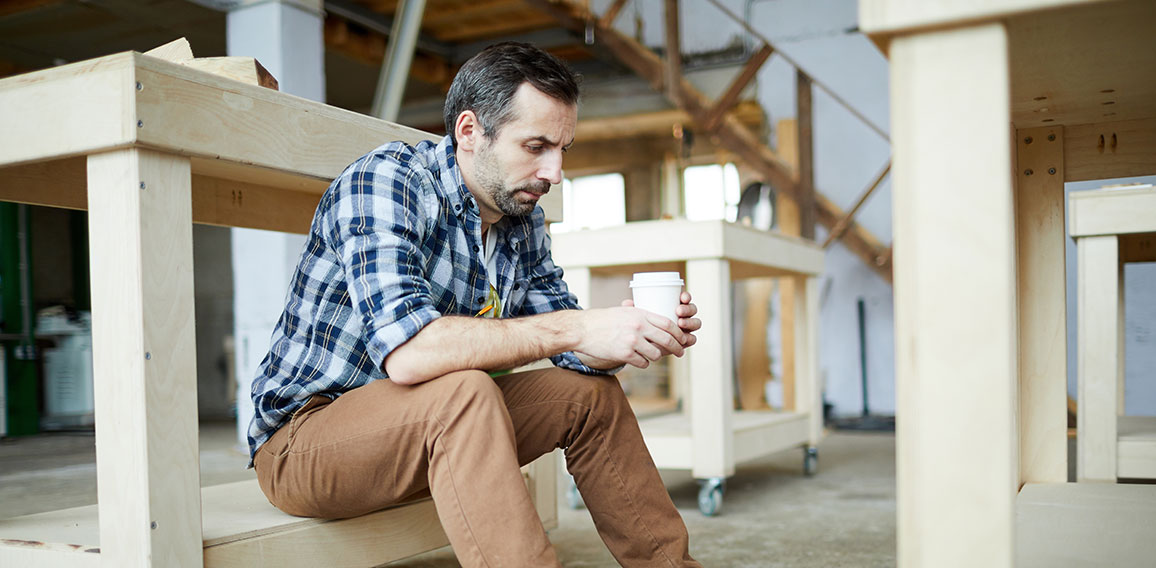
[(673, 59), (244, 69), (215, 201), (144, 358), (227, 120), (886, 17), (737, 86), (805, 190), (1062, 525), (69, 110), (1109, 150), (542, 477), (678, 240), (607, 19), (1040, 238), (710, 400), (1138, 248), (841, 227), (788, 221), (36, 554), (1117, 211), (754, 365), (774, 433), (955, 299), (1136, 447), (1063, 72), (808, 388), (1097, 289), (177, 51)]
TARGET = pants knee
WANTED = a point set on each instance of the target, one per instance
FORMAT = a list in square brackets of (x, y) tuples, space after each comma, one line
[(469, 389)]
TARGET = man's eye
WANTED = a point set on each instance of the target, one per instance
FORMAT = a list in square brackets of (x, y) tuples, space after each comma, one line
[(534, 149)]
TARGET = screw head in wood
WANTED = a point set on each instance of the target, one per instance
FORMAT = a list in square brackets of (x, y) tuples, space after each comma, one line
[(140, 124), (139, 86), (1052, 171), (148, 355), (142, 185), (1028, 140), (1028, 172), (1051, 137), (153, 525)]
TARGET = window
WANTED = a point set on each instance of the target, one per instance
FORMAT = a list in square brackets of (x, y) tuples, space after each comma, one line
[(592, 202), (711, 192)]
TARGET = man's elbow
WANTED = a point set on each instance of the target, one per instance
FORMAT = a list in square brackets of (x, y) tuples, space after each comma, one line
[(401, 370)]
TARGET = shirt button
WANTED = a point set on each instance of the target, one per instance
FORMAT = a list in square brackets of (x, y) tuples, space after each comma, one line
[(457, 207), (517, 285), (477, 248), (481, 300)]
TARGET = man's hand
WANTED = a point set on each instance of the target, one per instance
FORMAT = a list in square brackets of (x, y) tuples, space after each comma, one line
[(686, 320), (651, 338)]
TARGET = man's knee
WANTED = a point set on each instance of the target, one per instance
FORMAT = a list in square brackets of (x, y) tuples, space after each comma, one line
[(468, 389)]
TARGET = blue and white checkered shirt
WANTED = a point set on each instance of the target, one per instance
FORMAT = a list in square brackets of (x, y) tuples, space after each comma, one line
[(395, 243)]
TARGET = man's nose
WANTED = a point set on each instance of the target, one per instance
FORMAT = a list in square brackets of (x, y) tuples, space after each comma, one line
[(551, 167)]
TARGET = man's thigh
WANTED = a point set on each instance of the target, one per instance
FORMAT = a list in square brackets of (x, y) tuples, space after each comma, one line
[(364, 451)]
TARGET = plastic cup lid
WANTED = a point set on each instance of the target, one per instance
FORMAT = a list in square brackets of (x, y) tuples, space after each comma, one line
[(656, 279)]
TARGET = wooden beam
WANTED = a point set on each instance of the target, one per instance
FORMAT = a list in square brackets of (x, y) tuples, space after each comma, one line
[(728, 99), (731, 134), (244, 69), (13, 7), (955, 299), (144, 358), (806, 188), (368, 47), (1042, 310), (840, 227), (673, 71), (607, 19), (1109, 150), (177, 51), (658, 123)]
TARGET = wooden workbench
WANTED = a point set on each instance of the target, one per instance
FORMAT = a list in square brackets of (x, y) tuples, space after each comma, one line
[(709, 437), (994, 106), (150, 147)]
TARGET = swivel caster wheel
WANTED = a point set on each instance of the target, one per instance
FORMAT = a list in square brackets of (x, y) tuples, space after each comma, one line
[(573, 497), (810, 461), (710, 496)]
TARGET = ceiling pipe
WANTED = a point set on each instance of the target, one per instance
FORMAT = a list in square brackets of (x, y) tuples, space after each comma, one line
[(398, 57)]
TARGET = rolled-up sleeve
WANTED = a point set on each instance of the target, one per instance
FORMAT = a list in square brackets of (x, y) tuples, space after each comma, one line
[(378, 224)]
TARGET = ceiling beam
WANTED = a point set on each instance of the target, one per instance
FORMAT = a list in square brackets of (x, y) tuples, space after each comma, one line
[(730, 133)]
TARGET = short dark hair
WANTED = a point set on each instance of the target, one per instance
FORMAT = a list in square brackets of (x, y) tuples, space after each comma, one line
[(487, 82)]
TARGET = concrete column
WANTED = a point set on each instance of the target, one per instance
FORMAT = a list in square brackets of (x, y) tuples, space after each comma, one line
[(287, 37)]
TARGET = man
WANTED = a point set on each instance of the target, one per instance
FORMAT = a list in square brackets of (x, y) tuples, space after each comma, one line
[(376, 387)]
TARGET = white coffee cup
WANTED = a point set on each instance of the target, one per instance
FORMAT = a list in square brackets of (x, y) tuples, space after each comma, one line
[(657, 292)]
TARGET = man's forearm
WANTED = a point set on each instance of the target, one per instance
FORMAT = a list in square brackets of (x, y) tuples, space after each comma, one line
[(455, 343)]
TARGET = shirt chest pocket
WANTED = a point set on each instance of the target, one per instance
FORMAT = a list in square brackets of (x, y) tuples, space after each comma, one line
[(517, 297)]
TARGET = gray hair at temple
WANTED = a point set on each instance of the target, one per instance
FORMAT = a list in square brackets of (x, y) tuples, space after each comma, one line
[(487, 82)]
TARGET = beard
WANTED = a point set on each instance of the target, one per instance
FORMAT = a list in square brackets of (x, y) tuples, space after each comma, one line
[(489, 175)]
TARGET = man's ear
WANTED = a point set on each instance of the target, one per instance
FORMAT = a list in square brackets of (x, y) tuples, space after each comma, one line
[(468, 131)]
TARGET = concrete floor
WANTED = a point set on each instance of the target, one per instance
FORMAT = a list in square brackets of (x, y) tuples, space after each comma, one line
[(771, 516)]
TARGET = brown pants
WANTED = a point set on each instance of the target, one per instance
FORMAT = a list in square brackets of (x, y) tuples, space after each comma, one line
[(462, 438)]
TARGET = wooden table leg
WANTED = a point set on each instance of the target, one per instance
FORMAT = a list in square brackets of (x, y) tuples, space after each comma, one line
[(808, 386), (710, 396), (144, 359), (955, 298), (1097, 339), (1041, 237)]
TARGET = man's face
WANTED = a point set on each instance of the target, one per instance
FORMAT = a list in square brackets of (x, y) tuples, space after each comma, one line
[(517, 168)]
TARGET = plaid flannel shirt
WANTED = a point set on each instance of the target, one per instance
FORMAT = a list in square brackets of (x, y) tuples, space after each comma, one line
[(395, 243)]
